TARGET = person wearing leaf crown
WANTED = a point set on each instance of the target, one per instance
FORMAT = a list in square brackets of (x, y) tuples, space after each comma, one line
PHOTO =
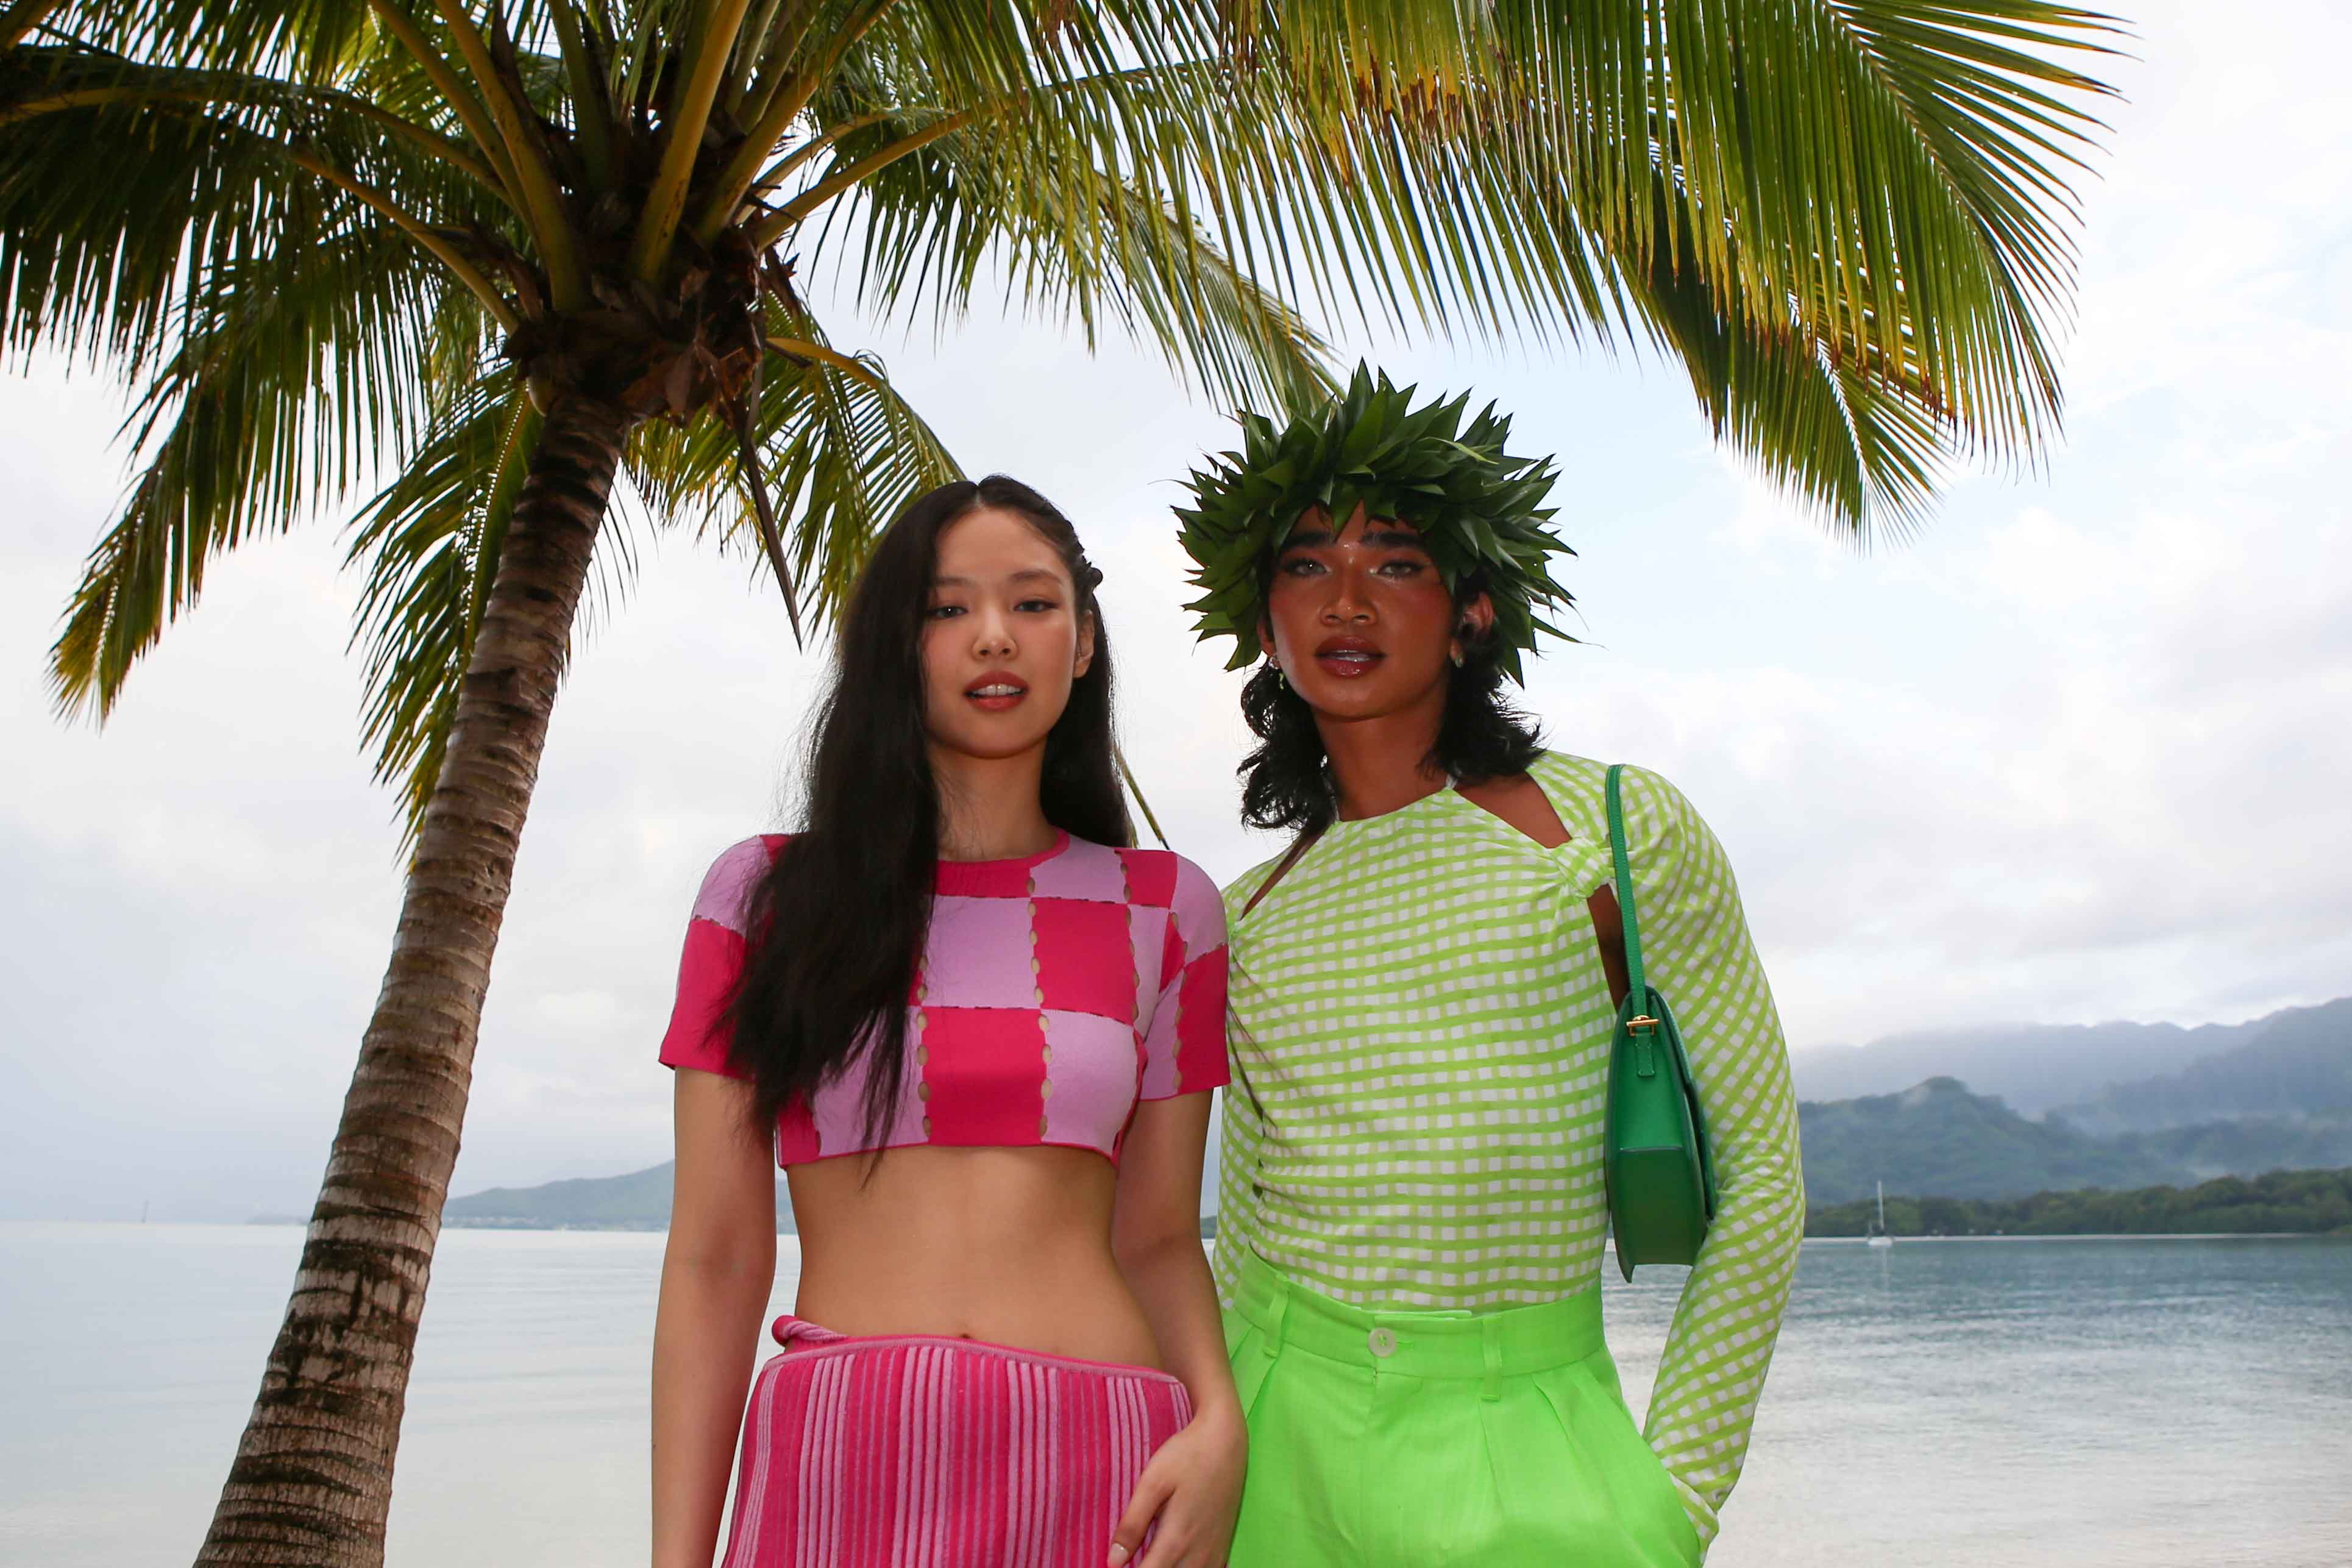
[(1424, 990)]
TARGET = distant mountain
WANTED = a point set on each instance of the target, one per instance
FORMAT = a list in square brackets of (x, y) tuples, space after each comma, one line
[(2249, 1146), (2296, 1067), (1938, 1140), (638, 1202), (2277, 1095), (2033, 1067)]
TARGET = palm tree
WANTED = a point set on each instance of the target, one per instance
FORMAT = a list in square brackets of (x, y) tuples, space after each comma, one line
[(514, 251)]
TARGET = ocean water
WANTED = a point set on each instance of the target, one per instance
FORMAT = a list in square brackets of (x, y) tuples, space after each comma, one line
[(2096, 1404)]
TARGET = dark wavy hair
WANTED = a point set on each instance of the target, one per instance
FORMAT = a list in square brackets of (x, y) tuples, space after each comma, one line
[(1287, 779), (837, 927)]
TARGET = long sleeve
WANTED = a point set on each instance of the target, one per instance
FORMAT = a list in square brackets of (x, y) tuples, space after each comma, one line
[(1695, 945)]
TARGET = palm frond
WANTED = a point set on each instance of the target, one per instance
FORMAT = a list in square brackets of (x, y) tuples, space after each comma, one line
[(1881, 159), (200, 183), (1433, 210), (844, 453), (1215, 326), (1849, 220), (1890, 174), (931, 225), (1899, 169), (1021, 194), (296, 369), (305, 40), (430, 544), (1862, 455)]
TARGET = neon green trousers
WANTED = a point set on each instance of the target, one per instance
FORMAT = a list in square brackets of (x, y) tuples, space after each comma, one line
[(1403, 1440)]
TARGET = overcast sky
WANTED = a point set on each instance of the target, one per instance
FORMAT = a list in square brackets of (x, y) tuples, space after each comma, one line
[(2080, 753)]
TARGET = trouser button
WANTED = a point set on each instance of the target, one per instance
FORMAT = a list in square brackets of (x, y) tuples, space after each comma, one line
[(1383, 1342)]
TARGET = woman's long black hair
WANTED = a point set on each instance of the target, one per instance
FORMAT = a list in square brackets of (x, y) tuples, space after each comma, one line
[(837, 925), (1287, 778)]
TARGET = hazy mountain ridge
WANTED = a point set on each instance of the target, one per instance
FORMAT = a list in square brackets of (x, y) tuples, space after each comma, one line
[(1933, 1140), (2274, 1093), (2250, 1145), (2233, 1100), (636, 1201), (639, 1200), (2296, 1067), (1937, 1139), (2032, 1068)]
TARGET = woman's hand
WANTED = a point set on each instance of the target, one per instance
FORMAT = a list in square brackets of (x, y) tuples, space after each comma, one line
[(1191, 1489), (1190, 1492)]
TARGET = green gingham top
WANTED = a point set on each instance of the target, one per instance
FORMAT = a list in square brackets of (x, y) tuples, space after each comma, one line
[(1420, 1029)]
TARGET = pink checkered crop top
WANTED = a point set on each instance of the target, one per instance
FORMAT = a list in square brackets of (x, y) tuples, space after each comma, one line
[(1056, 991)]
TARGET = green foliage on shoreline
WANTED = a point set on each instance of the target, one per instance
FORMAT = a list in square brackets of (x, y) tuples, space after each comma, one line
[(2297, 1202), (1937, 1137)]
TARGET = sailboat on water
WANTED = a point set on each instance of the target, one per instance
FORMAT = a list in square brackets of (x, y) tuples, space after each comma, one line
[(1878, 1232)]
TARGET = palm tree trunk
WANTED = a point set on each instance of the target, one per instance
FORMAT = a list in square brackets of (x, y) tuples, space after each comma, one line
[(312, 1484)]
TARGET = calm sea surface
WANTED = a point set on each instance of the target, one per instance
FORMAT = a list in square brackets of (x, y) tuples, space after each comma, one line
[(2091, 1404)]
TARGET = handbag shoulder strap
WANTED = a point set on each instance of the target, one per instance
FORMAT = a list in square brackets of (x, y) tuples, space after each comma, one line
[(1637, 983)]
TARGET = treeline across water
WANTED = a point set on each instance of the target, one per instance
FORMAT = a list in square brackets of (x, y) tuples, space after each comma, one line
[(2304, 1202)]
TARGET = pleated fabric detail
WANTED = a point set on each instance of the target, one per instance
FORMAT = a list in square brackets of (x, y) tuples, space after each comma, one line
[(921, 1452)]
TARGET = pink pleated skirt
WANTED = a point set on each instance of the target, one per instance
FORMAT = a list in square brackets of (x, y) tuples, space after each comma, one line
[(924, 1452)]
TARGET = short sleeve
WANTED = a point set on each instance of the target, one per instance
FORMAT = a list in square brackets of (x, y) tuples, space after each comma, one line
[(1184, 1048), (699, 1034)]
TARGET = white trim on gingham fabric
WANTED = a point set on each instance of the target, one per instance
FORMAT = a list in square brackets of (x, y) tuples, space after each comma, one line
[(1419, 1029)]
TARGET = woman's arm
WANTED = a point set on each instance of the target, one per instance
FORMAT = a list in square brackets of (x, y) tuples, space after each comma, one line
[(1193, 1485), (716, 1271), (1695, 945)]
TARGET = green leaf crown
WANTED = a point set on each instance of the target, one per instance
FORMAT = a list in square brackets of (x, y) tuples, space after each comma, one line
[(1476, 507)]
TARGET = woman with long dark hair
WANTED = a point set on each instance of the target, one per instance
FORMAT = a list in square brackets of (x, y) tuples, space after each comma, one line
[(1412, 1202), (977, 1029)]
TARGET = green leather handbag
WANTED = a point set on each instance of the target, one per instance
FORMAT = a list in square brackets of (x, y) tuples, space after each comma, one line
[(1657, 1162)]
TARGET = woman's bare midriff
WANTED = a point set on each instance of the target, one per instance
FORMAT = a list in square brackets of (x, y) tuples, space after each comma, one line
[(1010, 1246)]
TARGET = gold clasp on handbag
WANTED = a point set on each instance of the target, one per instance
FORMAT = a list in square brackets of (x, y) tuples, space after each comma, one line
[(1636, 1025)]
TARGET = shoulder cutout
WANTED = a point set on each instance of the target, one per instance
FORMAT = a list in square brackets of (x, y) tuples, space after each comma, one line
[(1522, 802)]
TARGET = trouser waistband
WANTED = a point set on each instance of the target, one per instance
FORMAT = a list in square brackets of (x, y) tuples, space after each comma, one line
[(1486, 1345)]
